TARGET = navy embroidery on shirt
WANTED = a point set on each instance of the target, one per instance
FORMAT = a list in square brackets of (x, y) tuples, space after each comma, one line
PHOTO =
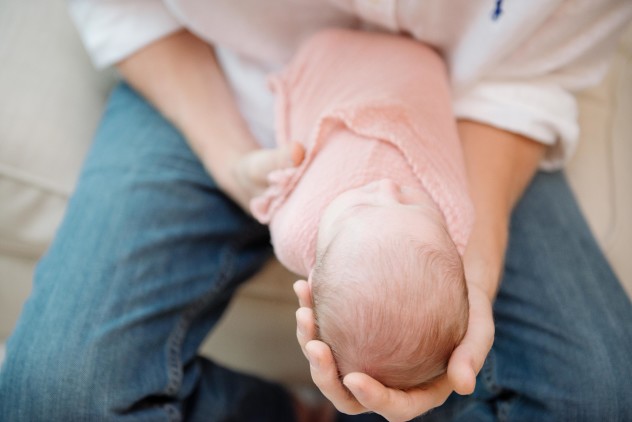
[(498, 10)]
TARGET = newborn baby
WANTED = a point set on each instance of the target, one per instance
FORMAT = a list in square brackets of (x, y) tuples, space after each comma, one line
[(377, 214)]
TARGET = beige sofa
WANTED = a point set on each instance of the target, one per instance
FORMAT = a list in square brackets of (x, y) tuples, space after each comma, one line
[(50, 104)]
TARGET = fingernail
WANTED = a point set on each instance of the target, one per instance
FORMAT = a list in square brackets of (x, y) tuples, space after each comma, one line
[(357, 392), (297, 153)]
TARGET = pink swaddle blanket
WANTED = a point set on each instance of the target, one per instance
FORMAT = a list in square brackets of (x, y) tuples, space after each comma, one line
[(366, 106)]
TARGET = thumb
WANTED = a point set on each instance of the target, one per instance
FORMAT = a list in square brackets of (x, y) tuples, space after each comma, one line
[(261, 162), (291, 155)]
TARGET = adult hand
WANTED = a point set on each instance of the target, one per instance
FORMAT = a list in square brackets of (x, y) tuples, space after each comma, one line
[(483, 260), (248, 174), (359, 393)]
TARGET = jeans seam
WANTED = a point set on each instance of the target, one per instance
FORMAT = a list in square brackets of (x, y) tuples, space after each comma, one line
[(504, 408), (488, 374), (174, 363), (175, 341), (173, 414)]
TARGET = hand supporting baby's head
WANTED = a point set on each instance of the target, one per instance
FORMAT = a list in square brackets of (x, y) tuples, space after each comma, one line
[(389, 292)]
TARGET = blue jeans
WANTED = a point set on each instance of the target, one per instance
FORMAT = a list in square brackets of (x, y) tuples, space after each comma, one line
[(150, 253)]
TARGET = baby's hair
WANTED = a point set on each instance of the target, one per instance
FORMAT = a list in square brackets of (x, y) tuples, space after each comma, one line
[(392, 308)]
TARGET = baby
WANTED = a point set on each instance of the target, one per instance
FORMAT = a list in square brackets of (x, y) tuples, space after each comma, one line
[(377, 214)]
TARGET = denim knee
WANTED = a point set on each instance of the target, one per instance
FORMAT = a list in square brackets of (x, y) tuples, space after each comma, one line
[(601, 386), (588, 380), (37, 383), (69, 384)]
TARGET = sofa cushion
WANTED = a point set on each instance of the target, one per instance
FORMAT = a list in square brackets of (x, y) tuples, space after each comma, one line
[(51, 101), (601, 171)]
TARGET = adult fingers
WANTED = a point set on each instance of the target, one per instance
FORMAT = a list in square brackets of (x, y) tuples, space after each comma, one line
[(324, 373), (297, 153), (301, 289), (305, 321), (396, 405), (259, 163), (468, 358), (305, 327)]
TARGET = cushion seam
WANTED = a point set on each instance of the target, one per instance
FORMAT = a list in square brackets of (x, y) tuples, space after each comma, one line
[(37, 182)]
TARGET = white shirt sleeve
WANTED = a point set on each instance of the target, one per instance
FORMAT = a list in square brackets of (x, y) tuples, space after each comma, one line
[(531, 92), (111, 30)]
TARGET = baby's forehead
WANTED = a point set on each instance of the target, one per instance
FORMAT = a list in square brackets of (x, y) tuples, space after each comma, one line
[(382, 253), (378, 224), (366, 257), (369, 242)]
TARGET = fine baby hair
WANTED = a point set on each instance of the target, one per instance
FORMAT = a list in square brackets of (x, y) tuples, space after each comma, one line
[(392, 308)]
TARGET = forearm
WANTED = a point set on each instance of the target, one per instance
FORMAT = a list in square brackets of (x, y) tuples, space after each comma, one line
[(180, 76), (499, 167)]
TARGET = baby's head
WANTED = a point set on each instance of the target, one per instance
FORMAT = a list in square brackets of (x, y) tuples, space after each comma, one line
[(388, 286)]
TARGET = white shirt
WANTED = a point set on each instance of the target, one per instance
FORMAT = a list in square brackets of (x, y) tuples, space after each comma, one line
[(514, 64)]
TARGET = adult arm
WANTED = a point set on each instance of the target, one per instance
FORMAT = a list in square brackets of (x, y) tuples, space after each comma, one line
[(180, 76), (499, 167)]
